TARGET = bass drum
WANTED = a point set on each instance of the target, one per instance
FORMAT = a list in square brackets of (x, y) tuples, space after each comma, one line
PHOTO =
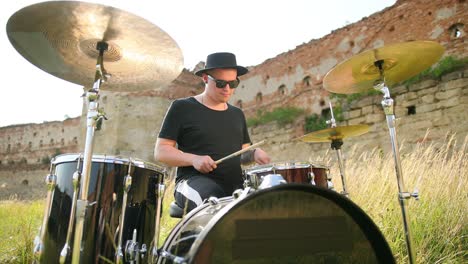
[(291, 223), (106, 189)]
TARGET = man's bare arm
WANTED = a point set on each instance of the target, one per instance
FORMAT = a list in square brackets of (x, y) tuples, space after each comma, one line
[(165, 151)]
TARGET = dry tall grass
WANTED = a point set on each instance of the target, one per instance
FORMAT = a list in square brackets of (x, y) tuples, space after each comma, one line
[(438, 220)]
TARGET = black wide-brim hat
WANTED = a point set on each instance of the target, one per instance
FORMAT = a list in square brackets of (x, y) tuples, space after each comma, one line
[(222, 60)]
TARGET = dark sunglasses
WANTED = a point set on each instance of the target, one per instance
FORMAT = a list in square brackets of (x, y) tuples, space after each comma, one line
[(222, 83)]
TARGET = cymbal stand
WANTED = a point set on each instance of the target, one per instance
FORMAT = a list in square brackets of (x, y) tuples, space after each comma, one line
[(388, 107), (93, 121), (336, 145), (64, 254), (51, 182), (127, 185), (161, 188)]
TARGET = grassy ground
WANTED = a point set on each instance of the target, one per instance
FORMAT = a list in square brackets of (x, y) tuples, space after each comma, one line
[(438, 221), (19, 223)]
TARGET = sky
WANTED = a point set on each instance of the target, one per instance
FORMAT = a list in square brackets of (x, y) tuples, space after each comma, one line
[(254, 30)]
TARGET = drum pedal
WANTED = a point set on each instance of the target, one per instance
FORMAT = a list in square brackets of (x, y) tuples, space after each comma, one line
[(133, 252)]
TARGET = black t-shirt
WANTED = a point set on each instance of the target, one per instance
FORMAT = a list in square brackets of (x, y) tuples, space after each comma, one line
[(200, 130)]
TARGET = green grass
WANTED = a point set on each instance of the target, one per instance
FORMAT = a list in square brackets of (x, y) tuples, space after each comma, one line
[(316, 122), (282, 115), (438, 221), (19, 224), (167, 222), (348, 98), (445, 65)]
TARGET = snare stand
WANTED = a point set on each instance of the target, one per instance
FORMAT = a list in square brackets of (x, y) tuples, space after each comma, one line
[(388, 107), (336, 144), (94, 119)]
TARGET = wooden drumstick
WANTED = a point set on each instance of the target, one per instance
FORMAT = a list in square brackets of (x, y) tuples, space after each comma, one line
[(239, 152)]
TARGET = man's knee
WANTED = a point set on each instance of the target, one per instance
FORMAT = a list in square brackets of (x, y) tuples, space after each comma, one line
[(208, 188)]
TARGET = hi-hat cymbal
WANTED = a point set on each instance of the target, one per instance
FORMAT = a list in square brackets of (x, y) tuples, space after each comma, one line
[(400, 62), (60, 37), (335, 133)]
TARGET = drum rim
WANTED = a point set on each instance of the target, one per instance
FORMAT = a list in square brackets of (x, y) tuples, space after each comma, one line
[(285, 165), (379, 244), (185, 220), (111, 159)]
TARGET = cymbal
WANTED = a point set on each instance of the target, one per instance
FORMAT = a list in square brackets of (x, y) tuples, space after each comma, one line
[(335, 133), (60, 37), (400, 62)]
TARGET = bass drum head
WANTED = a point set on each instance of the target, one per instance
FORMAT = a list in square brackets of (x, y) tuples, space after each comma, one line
[(292, 223)]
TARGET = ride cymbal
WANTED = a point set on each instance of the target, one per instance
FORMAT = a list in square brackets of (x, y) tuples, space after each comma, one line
[(60, 38), (335, 133), (399, 62)]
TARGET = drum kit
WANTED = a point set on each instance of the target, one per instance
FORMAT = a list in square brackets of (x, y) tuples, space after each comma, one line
[(107, 209)]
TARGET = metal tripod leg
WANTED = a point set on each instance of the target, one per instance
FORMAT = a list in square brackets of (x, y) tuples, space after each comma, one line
[(387, 104), (336, 145)]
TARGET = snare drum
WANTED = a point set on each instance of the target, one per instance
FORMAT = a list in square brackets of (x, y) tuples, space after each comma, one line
[(289, 223), (292, 172), (102, 219)]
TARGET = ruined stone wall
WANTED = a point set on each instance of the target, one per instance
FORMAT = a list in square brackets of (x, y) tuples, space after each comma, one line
[(427, 111), (25, 153), (36, 143), (294, 78), (23, 182)]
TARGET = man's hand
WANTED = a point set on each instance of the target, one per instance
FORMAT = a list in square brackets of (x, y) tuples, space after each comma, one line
[(261, 157), (203, 164)]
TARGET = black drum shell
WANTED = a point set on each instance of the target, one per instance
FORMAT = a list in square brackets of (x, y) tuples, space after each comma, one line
[(105, 196)]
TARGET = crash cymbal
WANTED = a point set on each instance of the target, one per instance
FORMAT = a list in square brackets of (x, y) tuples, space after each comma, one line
[(400, 62), (60, 38), (339, 132)]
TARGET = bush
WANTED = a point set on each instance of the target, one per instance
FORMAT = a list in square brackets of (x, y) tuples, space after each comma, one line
[(446, 65), (45, 160), (281, 115), (315, 122)]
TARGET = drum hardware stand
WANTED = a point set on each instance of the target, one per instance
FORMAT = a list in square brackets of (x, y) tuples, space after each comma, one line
[(388, 107), (51, 182), (94, 117), (175, 259), (311, 178), (241, 193), (133, 252), (76, 184), (336, 145), (161, 188), (127, 185)]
